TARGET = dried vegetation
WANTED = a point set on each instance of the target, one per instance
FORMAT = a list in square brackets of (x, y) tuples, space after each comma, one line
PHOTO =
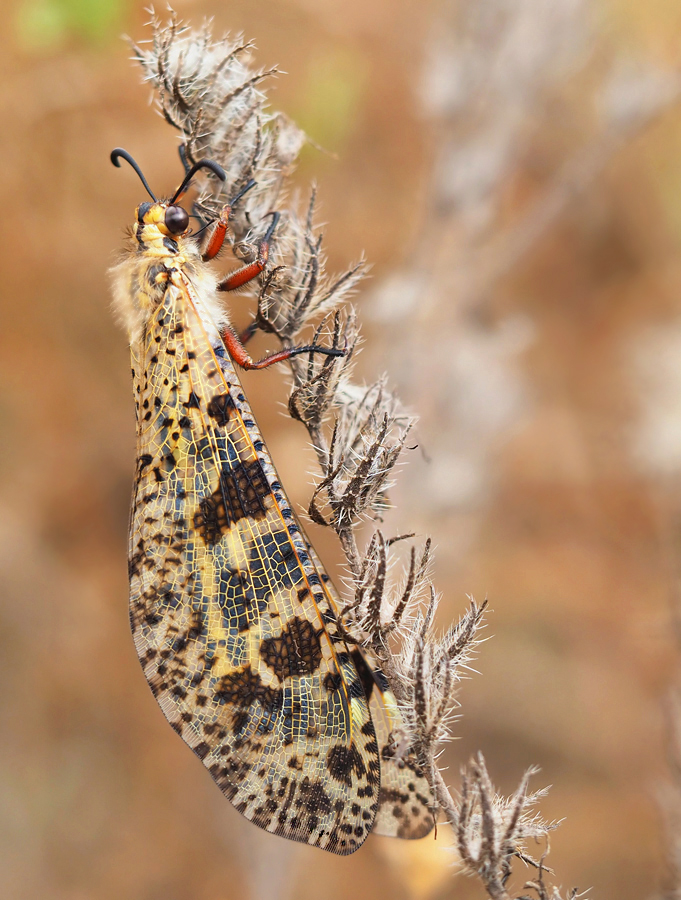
[(209, 91)]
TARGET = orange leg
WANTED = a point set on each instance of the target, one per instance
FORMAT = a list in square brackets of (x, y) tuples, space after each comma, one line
[(219, 232), (239, 354), (234, 342), (250, 271), (217, 236)]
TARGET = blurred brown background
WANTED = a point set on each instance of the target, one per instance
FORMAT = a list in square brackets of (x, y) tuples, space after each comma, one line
[(513, 171)]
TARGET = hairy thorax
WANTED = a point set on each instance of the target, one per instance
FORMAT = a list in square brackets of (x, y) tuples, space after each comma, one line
[(152, 264)]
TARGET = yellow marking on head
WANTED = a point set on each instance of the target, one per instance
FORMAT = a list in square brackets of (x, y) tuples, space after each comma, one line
[(155, 217)]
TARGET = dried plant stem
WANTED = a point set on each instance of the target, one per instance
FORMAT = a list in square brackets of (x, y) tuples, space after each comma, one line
[(346, 533), (444, 798)]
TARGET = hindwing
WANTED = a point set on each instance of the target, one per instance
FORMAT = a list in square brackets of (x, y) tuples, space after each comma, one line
[(406, 808)]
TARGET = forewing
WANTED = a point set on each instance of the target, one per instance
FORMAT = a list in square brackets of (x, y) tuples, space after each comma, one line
[(232, 620)]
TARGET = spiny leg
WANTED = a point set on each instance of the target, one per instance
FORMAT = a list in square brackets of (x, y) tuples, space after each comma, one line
[(216, 238), (233, 341), (247, 272), (236, 280), (240, 355), (250, 271)]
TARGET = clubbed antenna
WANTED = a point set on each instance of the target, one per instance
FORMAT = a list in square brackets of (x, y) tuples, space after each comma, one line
[(118, 154)]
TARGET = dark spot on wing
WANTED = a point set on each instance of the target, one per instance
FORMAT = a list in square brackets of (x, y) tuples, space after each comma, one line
[(242, 492), (343, 761), (242, 690), (363, 671), (296, 651), (221, 407), (194, 401), (332, 681)]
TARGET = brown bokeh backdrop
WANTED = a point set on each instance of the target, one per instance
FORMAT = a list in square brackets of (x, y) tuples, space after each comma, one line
[(571, 535)]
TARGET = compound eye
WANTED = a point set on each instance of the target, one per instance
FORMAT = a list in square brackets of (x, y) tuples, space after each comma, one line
[(176, 220)]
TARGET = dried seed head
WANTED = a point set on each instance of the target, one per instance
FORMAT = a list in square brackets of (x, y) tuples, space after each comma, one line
[(492, 830), (317, 381)]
